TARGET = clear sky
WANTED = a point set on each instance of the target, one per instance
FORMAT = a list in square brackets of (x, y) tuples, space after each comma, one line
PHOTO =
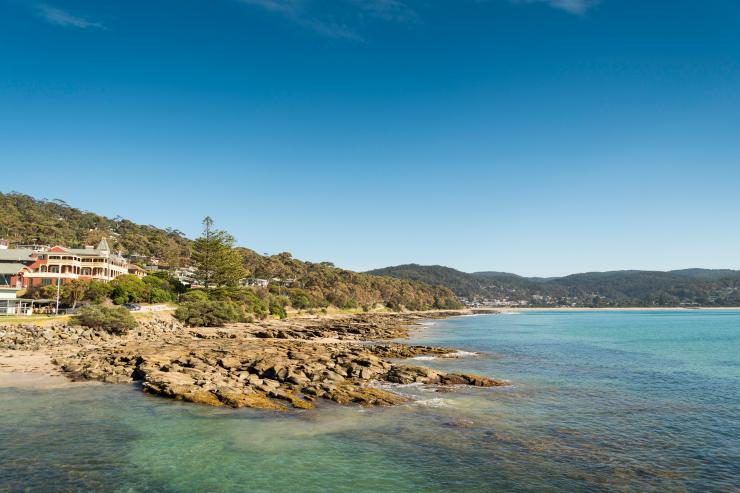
[(541, 137)]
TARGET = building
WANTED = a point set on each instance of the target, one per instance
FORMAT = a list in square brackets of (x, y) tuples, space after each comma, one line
[(11, 305), (14, 264), (185, 275), (135, 270), (255, 282), (26, 267)]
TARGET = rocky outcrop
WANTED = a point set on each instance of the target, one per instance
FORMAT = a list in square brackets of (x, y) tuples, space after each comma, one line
[(270, 365)]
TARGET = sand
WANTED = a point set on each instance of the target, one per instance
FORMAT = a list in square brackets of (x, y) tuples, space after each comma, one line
[(31, 369)]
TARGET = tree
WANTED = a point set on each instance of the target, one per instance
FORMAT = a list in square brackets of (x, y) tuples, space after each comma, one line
[(97, 291), (74, 292), (216, 261), (128, 289)]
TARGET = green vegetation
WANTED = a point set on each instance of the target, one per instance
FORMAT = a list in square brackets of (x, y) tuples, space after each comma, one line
[(117, 321), (323, 284), (209, 313), (156, 288), (28, 220), (216, 261), (690, 287), (219, 266)]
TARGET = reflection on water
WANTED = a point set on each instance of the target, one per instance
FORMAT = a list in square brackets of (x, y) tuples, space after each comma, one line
[(608, 401)]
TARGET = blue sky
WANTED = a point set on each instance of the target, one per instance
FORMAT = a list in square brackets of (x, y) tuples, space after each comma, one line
[(541, 137)]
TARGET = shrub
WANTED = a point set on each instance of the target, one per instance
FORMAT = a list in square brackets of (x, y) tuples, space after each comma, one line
[(276, 308), (300, 301), (116, 321), (247, 297), (208, 313)]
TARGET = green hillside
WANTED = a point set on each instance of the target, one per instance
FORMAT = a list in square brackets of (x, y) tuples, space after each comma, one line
[(690, 287), (26, 220)]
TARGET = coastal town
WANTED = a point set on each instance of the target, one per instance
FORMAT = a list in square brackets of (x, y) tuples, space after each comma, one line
[(24, 268)]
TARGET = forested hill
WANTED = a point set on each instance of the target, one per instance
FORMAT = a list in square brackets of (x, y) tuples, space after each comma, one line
[(26, 220), (689, 287)]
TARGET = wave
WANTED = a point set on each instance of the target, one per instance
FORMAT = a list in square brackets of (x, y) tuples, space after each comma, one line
[(453, 355), (436, 402), (460, 354)]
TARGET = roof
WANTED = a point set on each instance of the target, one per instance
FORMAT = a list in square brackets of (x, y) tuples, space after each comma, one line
[(10, 268), (83, 251), (16, 255)]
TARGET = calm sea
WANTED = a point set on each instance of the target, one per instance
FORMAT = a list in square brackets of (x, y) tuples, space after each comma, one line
[(600, 401)]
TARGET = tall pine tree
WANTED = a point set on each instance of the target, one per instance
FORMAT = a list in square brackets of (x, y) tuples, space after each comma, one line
[(216, 261)]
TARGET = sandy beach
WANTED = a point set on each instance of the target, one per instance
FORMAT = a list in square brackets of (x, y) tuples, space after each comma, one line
[(32, 369)]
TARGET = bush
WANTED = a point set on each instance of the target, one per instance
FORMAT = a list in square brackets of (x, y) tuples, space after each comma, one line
[(276, 308), (116, 321), (247, 297), (300, 301), (207, 313)]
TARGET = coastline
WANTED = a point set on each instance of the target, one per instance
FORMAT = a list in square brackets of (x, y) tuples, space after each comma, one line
[(271, 364)]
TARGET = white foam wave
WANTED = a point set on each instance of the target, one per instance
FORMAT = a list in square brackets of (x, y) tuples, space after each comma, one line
[(460, 354), (436, 402)]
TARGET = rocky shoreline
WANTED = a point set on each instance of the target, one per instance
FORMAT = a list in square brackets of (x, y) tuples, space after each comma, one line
[(268, 365)]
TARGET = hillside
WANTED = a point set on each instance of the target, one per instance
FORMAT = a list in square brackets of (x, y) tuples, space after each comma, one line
[(26, 220), (462, 284), (689, 287)]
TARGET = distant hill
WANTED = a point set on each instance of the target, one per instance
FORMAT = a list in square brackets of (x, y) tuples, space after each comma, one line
[(688, 287), (26, 220), (462, 284)]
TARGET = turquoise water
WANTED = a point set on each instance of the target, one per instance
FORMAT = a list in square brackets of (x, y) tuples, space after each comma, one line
[(600, 401)]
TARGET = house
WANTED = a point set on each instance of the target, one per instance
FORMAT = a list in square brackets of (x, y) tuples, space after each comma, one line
[(12, 273), (253, 281), (185, 275), (14, 264), (26, 267), (11, 305), (135, 270)]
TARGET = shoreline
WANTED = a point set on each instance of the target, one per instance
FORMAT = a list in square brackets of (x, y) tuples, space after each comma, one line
[(270, 364)]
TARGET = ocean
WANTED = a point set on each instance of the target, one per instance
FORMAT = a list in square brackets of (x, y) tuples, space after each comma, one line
[(599, 401)]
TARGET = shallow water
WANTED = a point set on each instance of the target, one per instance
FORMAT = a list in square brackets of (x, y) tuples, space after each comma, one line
[(607, 401)]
